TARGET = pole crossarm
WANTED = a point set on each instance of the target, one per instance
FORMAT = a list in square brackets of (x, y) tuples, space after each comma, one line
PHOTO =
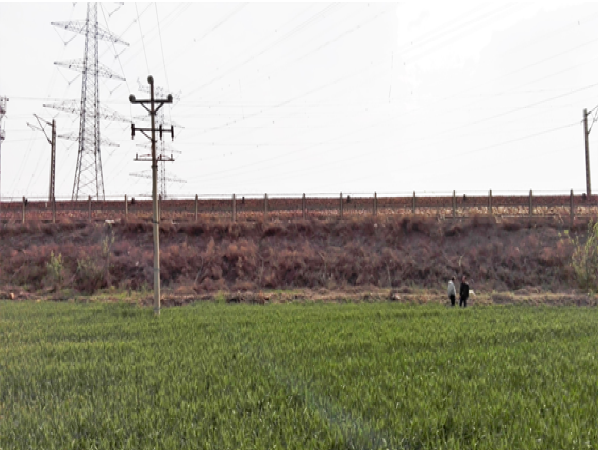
[(41, 127), (594, 120), (81, 27), (79, 65), (157, 90), (159, 129), (160, 103)]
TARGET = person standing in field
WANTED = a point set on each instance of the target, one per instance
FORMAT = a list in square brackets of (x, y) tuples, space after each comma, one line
[(464, 292), (452, 291)]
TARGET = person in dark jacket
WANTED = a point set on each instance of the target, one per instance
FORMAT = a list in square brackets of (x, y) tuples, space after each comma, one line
[(464, 292)]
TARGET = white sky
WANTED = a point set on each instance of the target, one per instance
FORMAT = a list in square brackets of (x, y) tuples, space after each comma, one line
[(316, 97)]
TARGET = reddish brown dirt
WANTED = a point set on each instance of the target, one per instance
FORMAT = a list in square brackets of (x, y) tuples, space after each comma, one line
[(352, 257)]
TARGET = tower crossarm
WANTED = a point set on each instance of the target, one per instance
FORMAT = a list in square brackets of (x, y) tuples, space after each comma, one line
[(164, 123), (79, 65), (80, 27), (168, 148), (73, 107), (74, 137), (148, 175)]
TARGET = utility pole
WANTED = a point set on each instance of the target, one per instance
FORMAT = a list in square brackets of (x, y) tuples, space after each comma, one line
[(155, 218), (52, 142), (163, 148), (586, 133)]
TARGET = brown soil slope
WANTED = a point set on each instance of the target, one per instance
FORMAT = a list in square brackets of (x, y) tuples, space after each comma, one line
[(332, 255)]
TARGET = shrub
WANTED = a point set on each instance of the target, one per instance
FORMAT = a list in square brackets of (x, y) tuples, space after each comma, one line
[(89, 276), (55, 269), (585, 260)]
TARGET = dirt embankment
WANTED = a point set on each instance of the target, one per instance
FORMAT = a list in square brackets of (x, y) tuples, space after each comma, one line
[(361, 259)]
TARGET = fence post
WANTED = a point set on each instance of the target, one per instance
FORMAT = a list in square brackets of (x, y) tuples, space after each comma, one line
[(304, 206), (265, 209), (126, 207), (454, 204), (89, 208), (233, 210), (490, 203), (414, 202), (572, 208), (341, 206), (375, 204), (53, 209), (196, 209), (530, 203), (23, 215)]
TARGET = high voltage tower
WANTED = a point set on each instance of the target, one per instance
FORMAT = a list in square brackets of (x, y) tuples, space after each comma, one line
[(89, 180), (3, 101), (164, 148)]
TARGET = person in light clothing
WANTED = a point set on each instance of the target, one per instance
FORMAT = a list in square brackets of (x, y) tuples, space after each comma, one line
[(452, 291)]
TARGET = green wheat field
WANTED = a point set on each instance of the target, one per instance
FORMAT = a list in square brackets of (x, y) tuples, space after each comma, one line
[(297, 376)]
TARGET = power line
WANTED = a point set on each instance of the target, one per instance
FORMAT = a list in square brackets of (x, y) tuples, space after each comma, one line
[(340, 165), (211, 30), (161, 47), (371, 125), (166, 22), (142, 37), (290, 33), (395, 117), (337, 81)]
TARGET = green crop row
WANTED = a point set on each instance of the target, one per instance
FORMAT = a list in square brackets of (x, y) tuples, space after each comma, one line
[(297, 376)]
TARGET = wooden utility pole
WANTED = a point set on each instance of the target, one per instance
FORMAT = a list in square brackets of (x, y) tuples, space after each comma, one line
[(52, 142), (53, 162), (152, 157)]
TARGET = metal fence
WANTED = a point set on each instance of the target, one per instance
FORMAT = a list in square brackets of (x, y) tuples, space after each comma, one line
[(285, 207)]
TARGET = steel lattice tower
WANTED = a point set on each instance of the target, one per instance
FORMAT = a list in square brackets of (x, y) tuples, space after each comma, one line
[(89, 179), (3, 101), (164, 157), (89, 161)]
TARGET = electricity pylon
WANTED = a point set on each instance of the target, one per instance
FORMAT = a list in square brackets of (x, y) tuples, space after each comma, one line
[(88, 173), (3, 101)]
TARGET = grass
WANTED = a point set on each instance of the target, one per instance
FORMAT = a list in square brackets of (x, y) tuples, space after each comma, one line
[(297, 376)]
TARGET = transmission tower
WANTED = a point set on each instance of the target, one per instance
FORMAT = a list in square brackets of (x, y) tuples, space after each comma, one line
[(89, 180), (163, 148), (3, 101)]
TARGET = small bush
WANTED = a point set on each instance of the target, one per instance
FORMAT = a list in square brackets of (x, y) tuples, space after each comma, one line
[(89, 276), (585, 260), (55, 270)]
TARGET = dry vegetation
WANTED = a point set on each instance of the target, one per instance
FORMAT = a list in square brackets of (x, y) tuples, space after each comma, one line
[(358, 259)]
